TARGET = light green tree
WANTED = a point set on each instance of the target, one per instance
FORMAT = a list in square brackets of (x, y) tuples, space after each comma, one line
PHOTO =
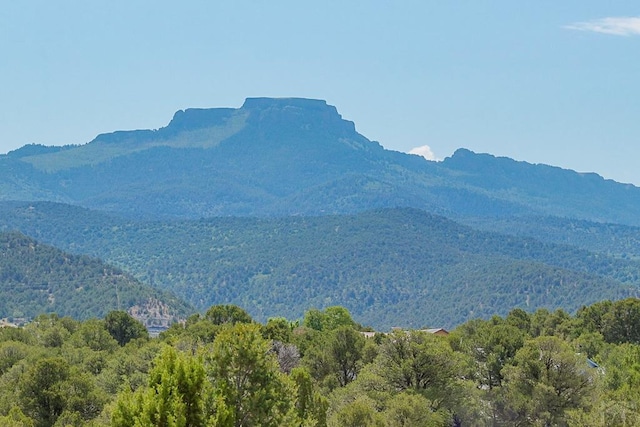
[(491, 346), (176, 395), (227, 313), (92, 333), (16, 418), (359, 413), (331, 318), (277, 328), (249, 388), (412, 409)]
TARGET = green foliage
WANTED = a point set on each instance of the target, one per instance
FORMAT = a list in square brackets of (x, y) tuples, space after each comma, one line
[(194, 331), (423, 363), (359, 413), (548, 379), (123, 328), (622, 322), (314, 319), (227, 314), (519, 318), (334, 358), (373, 400), (246, 380), (277, 328), (16, 334), (412, 409), (415, 269), (11, 352), (15, 418), (52, 386), (492, 347), (345, 347), (93, 334), (36, 278), (329, 319), (175, 396), (618, 322), (127, 367), (310, 406), (70, 419), (43, 390), (622, 241), (622, 377), (486, 372), (558, 323), (590, 344)]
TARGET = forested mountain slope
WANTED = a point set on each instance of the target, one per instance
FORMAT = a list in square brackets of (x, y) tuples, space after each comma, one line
[(617, 240), (392, 267), (37, 278), (278, 157)]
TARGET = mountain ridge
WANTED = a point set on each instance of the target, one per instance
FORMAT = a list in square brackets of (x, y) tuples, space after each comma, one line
[(390, 267), (254, 175), (294, 156)]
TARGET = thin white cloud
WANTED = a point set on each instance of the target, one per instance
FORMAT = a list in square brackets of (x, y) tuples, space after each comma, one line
[(617, 26), (424, 151)]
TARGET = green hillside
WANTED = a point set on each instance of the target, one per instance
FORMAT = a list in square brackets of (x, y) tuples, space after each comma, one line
[(618, 240), (37, 278), (396, 267)]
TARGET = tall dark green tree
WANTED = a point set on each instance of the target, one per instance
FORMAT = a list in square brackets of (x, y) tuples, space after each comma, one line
[(548, 379), (622, 322), (346, 348), (335, 357), (123, 327), (43, 390), (492, 347), (421, 362)]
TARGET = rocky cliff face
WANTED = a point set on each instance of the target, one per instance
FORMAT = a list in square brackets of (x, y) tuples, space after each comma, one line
[(154, 314)]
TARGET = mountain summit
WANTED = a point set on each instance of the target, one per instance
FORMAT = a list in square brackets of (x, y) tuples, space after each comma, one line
[(293, 156), (284, 115)]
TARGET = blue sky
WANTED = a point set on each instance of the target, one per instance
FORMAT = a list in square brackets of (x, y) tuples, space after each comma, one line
[(555, 82)]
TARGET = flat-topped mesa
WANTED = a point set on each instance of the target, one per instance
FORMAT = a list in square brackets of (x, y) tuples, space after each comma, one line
[(199, 118), (310, 114), (305, 103)]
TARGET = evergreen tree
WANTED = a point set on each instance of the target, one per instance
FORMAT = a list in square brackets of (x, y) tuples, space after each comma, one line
[(246, 380), (175, 397), (124, 328)]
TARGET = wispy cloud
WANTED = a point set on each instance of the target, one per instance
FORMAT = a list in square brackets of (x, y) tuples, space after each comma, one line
[(424, 151), (617, 26)]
